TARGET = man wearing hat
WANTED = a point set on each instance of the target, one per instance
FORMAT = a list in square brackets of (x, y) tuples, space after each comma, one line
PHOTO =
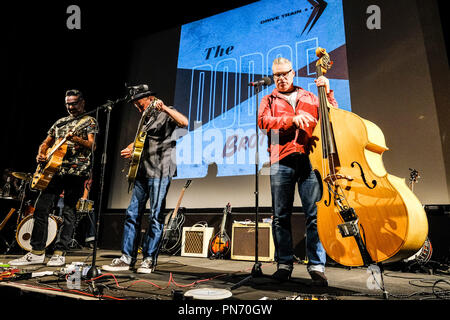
[(156, 169), (70, 178)]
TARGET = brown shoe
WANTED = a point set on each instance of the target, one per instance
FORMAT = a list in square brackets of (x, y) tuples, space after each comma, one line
[(318, 278), (283, 272), (282, 275)]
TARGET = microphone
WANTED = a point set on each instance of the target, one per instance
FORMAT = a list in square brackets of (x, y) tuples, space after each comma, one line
[(264, 81)]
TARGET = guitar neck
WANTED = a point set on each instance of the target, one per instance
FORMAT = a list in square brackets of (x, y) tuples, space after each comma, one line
[(327, 133), (222, 227), (224, 219), (50, 154), (175, 211), (84, 122), (139, 129)]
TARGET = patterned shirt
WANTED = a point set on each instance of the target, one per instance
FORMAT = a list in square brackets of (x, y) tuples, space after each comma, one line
[(77, 160), (158, 157)]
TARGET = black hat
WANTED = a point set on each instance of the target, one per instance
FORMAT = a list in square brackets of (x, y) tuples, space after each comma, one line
[(139, 92)]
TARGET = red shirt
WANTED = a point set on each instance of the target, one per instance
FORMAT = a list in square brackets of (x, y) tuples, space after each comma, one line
[(276, 116)]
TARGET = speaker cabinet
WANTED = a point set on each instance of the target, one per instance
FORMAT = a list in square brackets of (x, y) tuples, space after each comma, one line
[(195, 241), (243, 242), (438, 231)]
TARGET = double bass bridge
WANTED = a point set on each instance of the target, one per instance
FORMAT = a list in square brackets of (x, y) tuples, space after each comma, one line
[(335, 189), (332, 178)]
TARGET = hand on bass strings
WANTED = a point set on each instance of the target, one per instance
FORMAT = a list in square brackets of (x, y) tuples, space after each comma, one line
[(323, 82)]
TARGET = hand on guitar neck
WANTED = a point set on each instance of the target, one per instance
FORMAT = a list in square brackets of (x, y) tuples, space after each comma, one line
[(49, 142), (51, 154)]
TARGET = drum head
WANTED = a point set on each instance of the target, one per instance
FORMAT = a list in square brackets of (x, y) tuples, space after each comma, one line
[(23, 235)]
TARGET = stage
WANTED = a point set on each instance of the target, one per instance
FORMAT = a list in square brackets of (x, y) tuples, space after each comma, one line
[(176, 276)]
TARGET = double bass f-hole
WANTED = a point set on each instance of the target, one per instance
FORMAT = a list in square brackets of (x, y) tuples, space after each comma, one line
[(374, 182)]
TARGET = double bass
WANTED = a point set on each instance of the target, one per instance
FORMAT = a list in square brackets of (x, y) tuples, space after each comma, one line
[(365, 214)]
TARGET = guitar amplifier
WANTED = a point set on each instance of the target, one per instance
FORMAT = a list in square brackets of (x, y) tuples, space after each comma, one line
[(195, 241), (243, 242)]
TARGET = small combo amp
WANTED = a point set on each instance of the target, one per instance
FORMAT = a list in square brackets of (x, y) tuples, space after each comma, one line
[(243, 242), (195, 241)]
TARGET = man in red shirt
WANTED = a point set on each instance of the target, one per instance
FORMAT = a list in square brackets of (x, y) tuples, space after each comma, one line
[(290, 114)]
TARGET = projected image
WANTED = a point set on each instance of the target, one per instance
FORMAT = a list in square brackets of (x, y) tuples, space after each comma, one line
[(220, 55)]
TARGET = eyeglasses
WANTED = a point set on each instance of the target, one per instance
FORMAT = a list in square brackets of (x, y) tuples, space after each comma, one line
[(282, 74), (72, 103)]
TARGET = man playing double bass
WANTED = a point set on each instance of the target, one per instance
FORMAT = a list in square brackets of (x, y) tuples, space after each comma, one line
[(290, 114)]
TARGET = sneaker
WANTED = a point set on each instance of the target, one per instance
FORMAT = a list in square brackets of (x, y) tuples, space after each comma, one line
[(318, 278), (117, 265), (56, 261), (29, 258), (89, 245), (283, 273), (146, 266)]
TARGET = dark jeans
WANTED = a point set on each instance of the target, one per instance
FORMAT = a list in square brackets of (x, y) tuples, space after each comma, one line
[(73, 187), (290, 171)]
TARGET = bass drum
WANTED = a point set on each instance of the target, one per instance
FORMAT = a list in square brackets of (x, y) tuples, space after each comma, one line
[(25, 228), (423, 255)]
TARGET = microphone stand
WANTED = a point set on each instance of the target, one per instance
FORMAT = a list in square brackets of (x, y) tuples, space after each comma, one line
[(256, 270), (93, 272)]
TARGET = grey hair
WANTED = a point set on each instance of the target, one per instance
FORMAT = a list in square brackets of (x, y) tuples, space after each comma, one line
[(281, 60)]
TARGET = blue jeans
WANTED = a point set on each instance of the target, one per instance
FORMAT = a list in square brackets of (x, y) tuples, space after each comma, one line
[(284, 175), (155, 190)]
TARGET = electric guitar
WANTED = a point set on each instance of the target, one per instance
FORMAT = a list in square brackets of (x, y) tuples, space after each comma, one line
[(172, 233), (46, 170), (138, 146), (220, 244)]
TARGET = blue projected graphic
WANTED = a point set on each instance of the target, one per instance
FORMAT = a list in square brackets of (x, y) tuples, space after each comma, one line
[(219, 56)]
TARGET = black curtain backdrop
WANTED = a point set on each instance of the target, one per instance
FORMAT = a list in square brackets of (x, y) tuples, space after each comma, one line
[(44, 59)]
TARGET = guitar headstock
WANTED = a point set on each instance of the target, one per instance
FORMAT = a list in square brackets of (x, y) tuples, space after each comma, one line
[(151, 107), (324, 63), (227, 209), (413, 176), (187, 184)]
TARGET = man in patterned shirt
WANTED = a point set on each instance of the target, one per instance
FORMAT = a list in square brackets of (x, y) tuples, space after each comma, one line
[(70, 178)]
